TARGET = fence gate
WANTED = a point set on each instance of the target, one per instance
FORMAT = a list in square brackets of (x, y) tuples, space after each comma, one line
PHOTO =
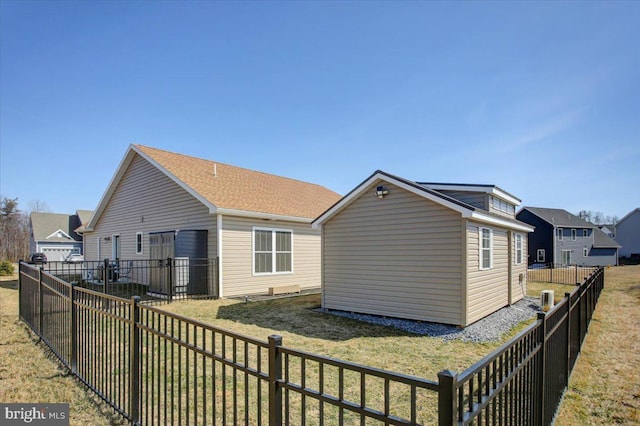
[(161, 247)]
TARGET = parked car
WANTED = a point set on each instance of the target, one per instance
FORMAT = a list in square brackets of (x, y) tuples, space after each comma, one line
[(74, 258), (38, 258)]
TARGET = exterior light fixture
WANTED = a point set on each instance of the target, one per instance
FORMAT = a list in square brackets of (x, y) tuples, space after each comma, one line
[(381, 191)]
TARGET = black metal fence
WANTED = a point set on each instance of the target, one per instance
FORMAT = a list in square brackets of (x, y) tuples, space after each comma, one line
[(559, 274), (152, 280), (522, 382), (156, 367)]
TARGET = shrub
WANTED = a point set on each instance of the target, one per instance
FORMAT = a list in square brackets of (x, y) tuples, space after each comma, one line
[(6, 268)]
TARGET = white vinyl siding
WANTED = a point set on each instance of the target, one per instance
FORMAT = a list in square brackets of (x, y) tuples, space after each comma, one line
[(238, 252), (147, 201), (487, 289), (519, 269), (400, 256)]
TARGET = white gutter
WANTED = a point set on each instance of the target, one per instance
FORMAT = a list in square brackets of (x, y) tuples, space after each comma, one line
[(259, 215)]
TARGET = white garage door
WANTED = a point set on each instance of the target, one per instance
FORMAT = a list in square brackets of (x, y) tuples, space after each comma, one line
[(56, 254)]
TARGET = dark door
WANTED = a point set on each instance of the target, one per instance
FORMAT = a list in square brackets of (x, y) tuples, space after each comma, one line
[(161, 247)]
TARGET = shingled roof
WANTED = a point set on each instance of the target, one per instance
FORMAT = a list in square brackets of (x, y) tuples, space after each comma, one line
[(45, 226), (564, 219), (233, 190)]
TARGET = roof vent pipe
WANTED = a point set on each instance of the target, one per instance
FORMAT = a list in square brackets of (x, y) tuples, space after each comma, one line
[(215, 170)]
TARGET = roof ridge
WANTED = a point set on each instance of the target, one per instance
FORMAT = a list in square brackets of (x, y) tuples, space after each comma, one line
[(143, 147)]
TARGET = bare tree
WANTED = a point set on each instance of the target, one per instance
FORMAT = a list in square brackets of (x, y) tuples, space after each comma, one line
[(14, 231), (597, 218), (585, 214), (38, 206)]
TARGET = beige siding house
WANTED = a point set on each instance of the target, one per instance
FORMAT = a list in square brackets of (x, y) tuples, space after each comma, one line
[(257, 225), (444, 253)]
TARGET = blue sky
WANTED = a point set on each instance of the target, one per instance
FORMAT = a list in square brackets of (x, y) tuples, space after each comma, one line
[(539, 98)]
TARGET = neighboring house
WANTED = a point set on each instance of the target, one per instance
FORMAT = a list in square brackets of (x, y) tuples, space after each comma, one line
[(628, 234), (446, 253), (161, 204), (565, 239), (609, 230), (55, 234)]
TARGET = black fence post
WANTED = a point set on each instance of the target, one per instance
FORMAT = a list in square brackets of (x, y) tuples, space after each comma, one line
[(105, 277), (73, 331), (275, 375), (567, 296), (447, 401), (170, 266), (134, 359), (542, 316), (40, 303), (216, 285), (20, 289)]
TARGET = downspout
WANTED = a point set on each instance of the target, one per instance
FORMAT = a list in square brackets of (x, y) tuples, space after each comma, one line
[(464, 278), (322, 263), (220, 262), (510, 260), (555, 235)]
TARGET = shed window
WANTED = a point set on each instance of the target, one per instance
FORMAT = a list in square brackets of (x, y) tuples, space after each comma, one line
[(272, 251), (138, 242), (486, 248), (518, 259)]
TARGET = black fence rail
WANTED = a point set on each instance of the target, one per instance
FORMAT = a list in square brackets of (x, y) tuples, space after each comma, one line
[(559, 274), (523, 382), (154, 280), (155, 367)]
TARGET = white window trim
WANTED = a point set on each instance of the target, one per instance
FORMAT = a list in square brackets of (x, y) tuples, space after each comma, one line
[(482, 249), (540, 252), (273, 251), (559, 232), (585, 233), (139, 235), (115, 243), (574, 234), (519, 237), (585, 251)]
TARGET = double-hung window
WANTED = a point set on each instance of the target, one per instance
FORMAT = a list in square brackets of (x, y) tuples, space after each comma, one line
[(559, 234), (518, 259), (272, 251), (486, 248)]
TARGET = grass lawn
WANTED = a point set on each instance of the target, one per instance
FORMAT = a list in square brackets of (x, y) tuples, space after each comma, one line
[(604, 387), (30, 374)]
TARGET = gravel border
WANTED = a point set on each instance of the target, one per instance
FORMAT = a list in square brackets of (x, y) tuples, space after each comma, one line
[(488, 329)]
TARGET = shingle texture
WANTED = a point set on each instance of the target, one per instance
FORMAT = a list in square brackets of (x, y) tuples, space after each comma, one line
[(564, 219), (45, 224), (235, 188)]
